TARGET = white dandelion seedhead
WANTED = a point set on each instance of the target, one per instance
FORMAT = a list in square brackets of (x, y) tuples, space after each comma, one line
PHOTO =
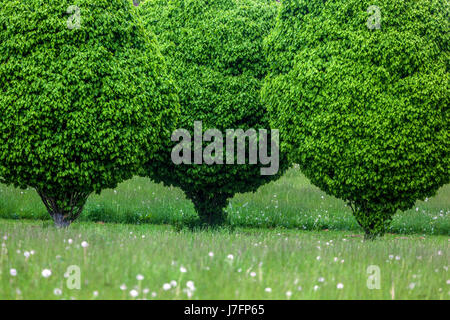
[(46, 273), (190, 285), (134, 293)]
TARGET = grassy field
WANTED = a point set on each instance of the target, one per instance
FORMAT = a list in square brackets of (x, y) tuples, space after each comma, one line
[(290, 241), (244, 264), (291, 202)]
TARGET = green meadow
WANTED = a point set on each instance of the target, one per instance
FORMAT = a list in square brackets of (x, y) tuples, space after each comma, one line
[(290, 202), (288, 240)]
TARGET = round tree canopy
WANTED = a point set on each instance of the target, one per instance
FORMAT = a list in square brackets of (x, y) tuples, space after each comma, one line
[(360, 92), (214, 53), (84, 95)]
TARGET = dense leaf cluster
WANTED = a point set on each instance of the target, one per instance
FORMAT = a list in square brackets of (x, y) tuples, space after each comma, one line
[(214, 53), (81, 107), (364, 111)]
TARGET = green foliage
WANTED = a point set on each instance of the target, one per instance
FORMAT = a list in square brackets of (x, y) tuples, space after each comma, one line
[(214, 53), (80, 107), (365, 112)]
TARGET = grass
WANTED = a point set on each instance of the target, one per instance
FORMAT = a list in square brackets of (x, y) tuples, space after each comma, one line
[(291, 202), (309, 265), (289, 241)]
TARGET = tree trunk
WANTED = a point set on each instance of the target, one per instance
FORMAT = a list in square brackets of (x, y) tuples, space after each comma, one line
[(64, 208), (210, 209), (60, 221), (372, 222), (370, 236)]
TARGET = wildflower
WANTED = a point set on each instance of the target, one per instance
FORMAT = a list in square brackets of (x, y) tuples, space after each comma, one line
[(288, 294), (211, 254), (123, 287), (13, 272), (70, 241), (84, 244), (95, 293), (190, 285), (173, 283), (316, 287), (166, 286), (253, 274), (139, 277), (26, 254), (321, 279), (340, 286), (57, 292), (134, 293), (46, 273), (183, 269), (189, 292), (230, 256), (268, 290)]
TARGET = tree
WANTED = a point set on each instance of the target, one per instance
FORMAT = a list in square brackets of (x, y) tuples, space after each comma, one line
[(214, 53), (359, 90), (84, 99)]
